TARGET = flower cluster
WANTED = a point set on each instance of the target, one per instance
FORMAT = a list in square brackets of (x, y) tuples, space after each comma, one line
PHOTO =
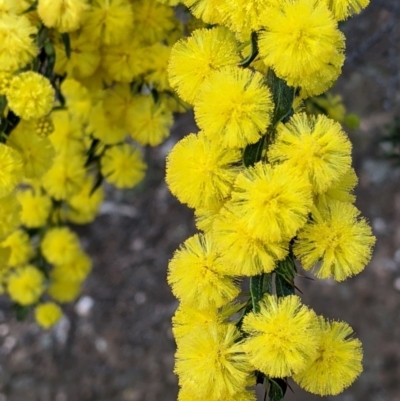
[(83, 84), (269, 184)]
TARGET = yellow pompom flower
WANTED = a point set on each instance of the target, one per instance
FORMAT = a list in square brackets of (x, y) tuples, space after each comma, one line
[(205, 217), (47, 314), (64, 291), (35, 208), (108, 21), (315, 145), (149, 122), (211, 363), (63, 15), (30, 95), (26, 285), (200, 172), (337, 238), (84, 205), (20, 246), (17, 47), (78, 99), (243, 254), (60, 245), (77, 269), (11, 169), (187, 320), (274, 201), (195, 278), (37, 153), (206, 10), (84, 58), (123, 166), (44, 127), (5, 80), (157, 76), (343, 9), (10, 211), (195, 58), (337, 363), (103, 127), (300, 30), (234, 107), (66, 176), (282, 337), (152, 21)]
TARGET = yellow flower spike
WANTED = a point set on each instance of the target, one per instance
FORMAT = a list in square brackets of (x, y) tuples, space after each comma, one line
[(200, 172), (316, 146), (63, 15), (274, 201), (47, 314), (196, 276), (211, 363), (30, 95), (26, 285), (123, 166), (283, 337), (338, 238), (195, 58), (337, 363), (234, 107)]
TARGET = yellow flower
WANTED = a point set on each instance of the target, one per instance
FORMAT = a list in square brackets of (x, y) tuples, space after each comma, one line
[(84, 205), (84, 58), (234, 107), (207, 10), (44, 127), (63, 15), (195, 58), (37, 153), (336, 237), (157, 76), (30, 95), (66, 176), (195, 278), (123, 166), (20, 246), (282, 337), (316, 146), (301, 38), (47, 314), (337, 362), (211, 363), (78, 99), (342, 9), (77, 269), (274, 201), (64, 290), (17, 47), (11, 170), (152, 20), (149, 122), (26, 285), (243, 254), (10, 211), (35, 207), (60, 245), (200, 172)]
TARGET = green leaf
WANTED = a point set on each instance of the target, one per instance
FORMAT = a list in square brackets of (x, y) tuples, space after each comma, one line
[(285, 273), (256, 290), (32, 7), (253, 153), (253, 51), (277, 389), (21, 312), (67, 43), (283, 96)]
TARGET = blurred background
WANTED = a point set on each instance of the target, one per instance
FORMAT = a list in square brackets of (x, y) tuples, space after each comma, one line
[(115, 343)]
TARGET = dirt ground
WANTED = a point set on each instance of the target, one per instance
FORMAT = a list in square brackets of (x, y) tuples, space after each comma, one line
[(116, 344)]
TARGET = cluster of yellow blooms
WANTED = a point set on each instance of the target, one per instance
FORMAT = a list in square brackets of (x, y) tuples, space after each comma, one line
[(269, 184), (80, 82)]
